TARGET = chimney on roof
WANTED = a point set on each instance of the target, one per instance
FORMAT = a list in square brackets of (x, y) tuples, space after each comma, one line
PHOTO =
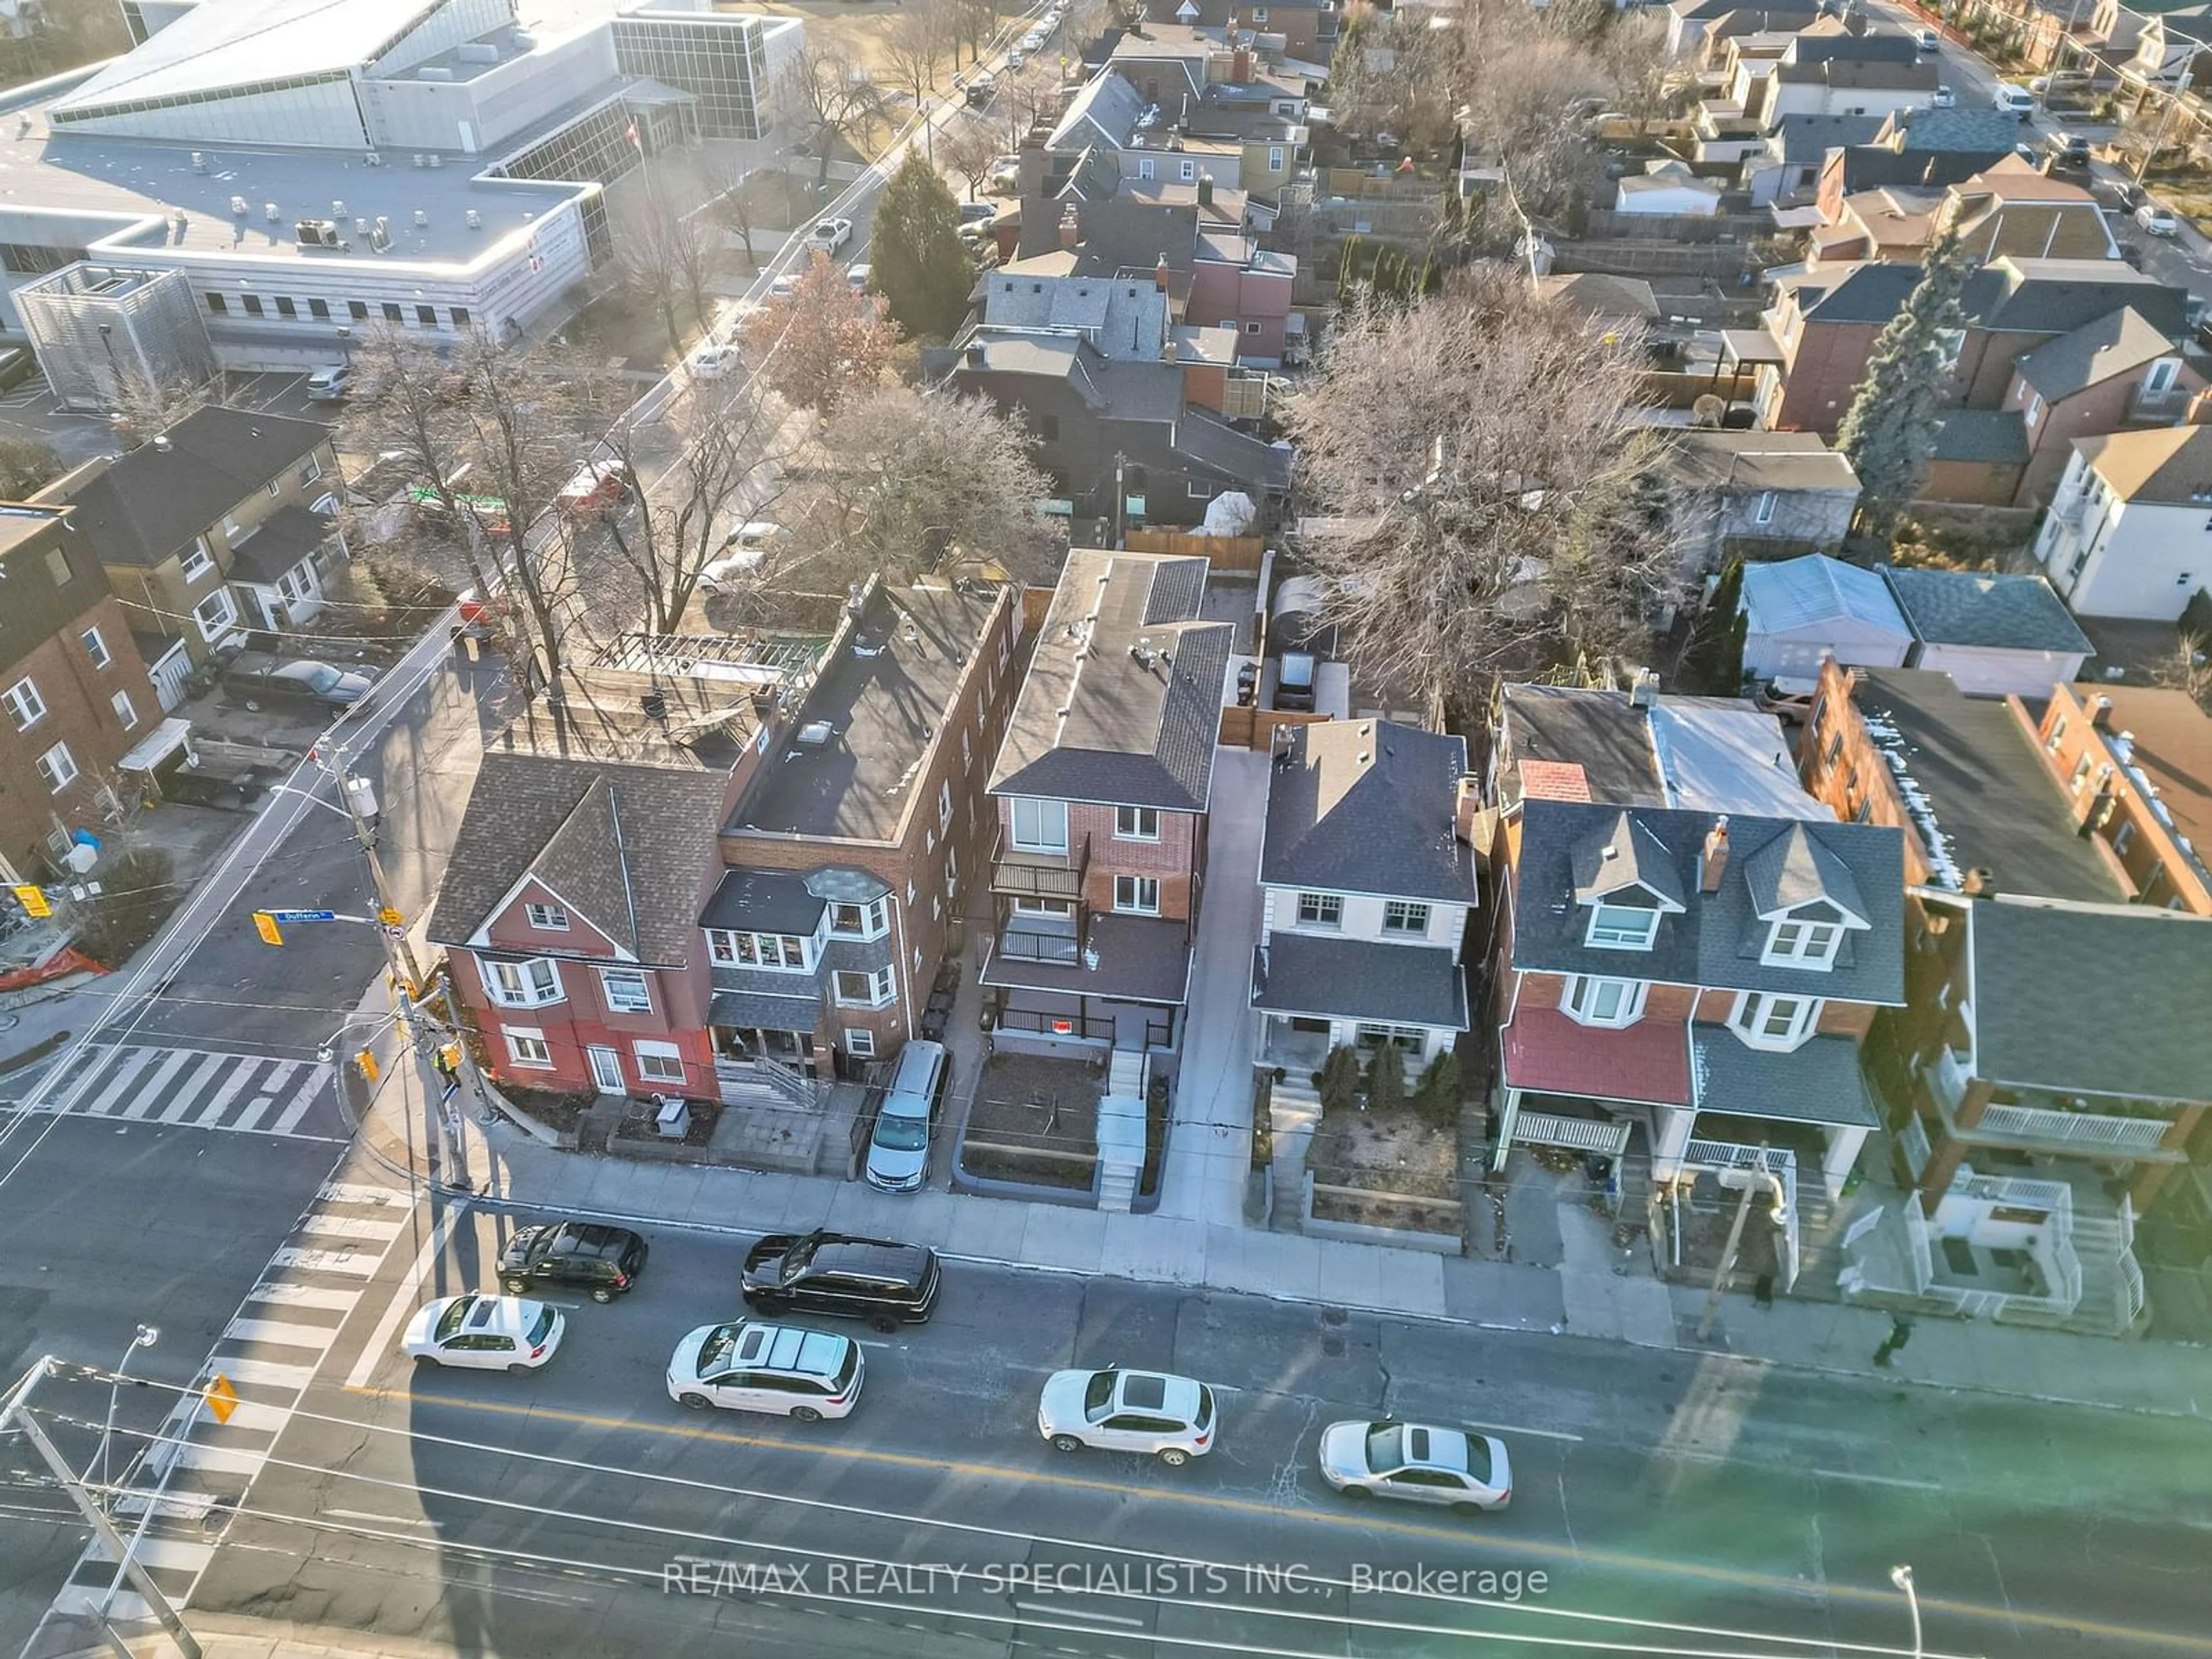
[(977, 357), (1714, 863), (2100, 713), (1643, 691), (1467, 802), (854, 597), (1979, 883), (1240, 66), (1071, 229), (1160, 274), (161, 442), (1206, 190)]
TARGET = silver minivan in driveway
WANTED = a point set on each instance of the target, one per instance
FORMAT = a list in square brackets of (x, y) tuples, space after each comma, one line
[(898, 1151)]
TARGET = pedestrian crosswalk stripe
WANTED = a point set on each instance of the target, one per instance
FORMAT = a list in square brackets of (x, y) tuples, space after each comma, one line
[(188, 1091), (133, 1060), (360, 1264), (190, 1087), (186, 1555), (220, 1103), (150, 1092), (304, 1296), (268, 1373), (83, 1601), (280, 1334), (343, 1192), (222, 1460), (351, 1226)]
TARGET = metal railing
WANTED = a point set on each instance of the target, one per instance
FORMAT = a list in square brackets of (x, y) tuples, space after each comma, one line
[(1030, 944), (1025, 872), (2075, 1128), (1582, 1134), (1723, 1154)]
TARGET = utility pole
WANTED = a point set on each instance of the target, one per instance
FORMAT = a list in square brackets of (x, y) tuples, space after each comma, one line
[(1752, 1178), (15, 1413)]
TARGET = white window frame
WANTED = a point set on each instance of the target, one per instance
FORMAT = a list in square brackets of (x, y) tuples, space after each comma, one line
[(944, 803), (1409, 917), (1186, 170), (221, 597), (546, 918), (1369, 1035), (1764, 512), (1327, 910), (860, 1043), (636, 997), (126, 710), (1274, 151), (1795, 943), (1144, 166), (1136, 888), (882, 987), (1752, 1018), (96, 647), (734, 947), (26, 707), (57, 768), (1041, 809), (519, 1035), (312, 472), (648, 1053), (875, 919), (520, 984), (1129, 822), (1605, 935), (198, 561), (1594, 999), (1026, 905)]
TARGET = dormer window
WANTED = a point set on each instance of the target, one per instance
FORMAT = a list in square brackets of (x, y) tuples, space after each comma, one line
[(1795, 944), (1622, 927), (1593, 1001), (527, 982), (1765, 1020)]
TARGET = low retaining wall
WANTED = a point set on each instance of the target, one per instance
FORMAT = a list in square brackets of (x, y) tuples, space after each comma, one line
[(1026, 1192), (1399, 1238)]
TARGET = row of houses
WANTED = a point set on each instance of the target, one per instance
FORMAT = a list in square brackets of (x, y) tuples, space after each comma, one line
[(124, 580), (1664, 934)]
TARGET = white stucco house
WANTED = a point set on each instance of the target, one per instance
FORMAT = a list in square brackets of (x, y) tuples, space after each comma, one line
[(2126, 535)]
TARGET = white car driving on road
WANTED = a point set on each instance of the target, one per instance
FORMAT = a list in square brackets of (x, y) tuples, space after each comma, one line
[(1160, 1415), (485, 1333), (783, 1370), (1417, 1462), (830, 236)]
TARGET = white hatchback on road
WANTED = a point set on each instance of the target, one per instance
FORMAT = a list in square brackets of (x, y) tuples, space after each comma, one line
[(1161, 1415), (485, 1333), (1422, 1464)]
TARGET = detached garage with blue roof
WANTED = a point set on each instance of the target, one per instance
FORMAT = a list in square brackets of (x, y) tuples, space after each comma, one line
[(1798, 611)]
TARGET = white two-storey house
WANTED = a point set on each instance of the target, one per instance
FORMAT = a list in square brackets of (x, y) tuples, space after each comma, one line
[(1369, 881)]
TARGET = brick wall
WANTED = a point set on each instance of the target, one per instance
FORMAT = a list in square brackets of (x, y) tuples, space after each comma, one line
[(2154, 866)]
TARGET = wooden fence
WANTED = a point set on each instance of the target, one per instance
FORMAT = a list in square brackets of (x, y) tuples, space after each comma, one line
[(1237, 553), (1255, 729)]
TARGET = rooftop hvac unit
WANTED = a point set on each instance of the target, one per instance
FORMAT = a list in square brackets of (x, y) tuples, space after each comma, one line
[(361, 228), (316, 233), (372, 159), (199, 161), (475, 219), (337, 210), (420, 217), (436, 160), (240, 207), (271, 212)]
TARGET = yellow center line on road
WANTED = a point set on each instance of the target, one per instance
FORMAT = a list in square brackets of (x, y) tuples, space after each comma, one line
[(1362, 1520)]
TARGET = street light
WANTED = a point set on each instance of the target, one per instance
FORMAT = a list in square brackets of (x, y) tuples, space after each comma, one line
[(1901, 1576), (145, 1337)]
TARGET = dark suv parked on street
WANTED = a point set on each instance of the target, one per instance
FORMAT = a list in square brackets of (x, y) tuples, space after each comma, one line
[(822, 1273), (602, 1262)]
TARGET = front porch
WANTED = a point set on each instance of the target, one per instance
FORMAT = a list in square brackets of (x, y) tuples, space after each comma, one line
[(1298, 1044), (277, 571), (1120, 984)]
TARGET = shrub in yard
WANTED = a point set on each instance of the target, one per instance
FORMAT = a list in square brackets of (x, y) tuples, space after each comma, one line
[(1338, 1080), (137, 893), (1436, 1099), (1386, 1078)]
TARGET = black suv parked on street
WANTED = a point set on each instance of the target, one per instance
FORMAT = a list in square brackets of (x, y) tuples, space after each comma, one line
[(873, 1278), (603, 1262)]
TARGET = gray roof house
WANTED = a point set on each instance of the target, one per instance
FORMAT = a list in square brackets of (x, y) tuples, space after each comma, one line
[(1994, 636), (1700, 979), (1368, 880), (1798, 611), (1758, 492)]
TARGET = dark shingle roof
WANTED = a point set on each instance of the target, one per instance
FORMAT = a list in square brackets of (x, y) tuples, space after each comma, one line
[(585, 862), (1817, 1082), (150, 502), (764, 1011), (1998, 436), (2104, 346), (1716, 940), (1868, 166), (2130, 1023), (761, 902), (1796, 868), (1980, 608), (1359, 979), (286, 537), (1366, 806), (1807, 137), (1212, 442), (1616, 858), (1093, 722), (1991, 131)]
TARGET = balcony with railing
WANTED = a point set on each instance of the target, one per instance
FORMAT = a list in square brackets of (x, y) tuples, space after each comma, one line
[(1036, 873), (1732, 1157), (2148, 403), (2074, 1128)]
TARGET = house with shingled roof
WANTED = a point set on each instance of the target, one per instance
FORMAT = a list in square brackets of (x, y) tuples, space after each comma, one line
[(2125, 533), (1100, 789), (1369, 880)]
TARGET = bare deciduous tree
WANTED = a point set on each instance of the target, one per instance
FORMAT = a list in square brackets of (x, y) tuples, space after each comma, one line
[(903, 474), (822, 345), (668, 258), (1029, 95), (1638, 69), (1485, 494), (830, 89), (918, 37), (970, 149)]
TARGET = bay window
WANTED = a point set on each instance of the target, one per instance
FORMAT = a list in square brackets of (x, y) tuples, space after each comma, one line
[(521, 983)]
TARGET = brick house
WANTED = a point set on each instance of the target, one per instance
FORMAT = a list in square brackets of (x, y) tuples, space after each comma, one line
[(225, 523), (569, 907), (2047, 1042), (863, 830), (1369, 880), (1824, 324), (1100, 789), (2115, 372), (73, 690)]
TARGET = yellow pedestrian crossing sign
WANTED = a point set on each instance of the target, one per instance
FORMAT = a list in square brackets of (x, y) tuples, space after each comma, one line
[(222, 1398)]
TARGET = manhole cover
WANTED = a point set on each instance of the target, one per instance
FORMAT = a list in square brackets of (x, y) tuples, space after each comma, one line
[(1333, 1315), (1332, 1347)]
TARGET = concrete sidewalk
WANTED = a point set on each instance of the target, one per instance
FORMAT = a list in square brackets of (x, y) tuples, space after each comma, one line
[(1594, 1294)]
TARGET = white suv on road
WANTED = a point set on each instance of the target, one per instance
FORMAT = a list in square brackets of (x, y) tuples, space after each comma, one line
[(1163, 1416)]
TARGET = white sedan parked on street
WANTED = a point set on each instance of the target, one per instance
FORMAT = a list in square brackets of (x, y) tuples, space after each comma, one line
[(711, 362), (487, 1333), (1422, 1464), (1170, 1417)]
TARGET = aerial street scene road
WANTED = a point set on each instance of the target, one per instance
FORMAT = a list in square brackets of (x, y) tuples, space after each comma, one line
[(1135, 829)]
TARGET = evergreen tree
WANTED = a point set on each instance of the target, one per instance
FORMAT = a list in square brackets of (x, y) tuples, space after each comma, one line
[(1890, 431), (918, 262), (1437, 1099), (1714, 662), (1338, 1080), (1386, 1078)]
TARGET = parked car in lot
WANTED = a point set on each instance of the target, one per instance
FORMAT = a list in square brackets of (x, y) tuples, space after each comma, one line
[(978, 213), (829, 235), (1295, 674), (601, 1261), (2157, 219), (256, 680), (885, 1282), (1160, 1415), (330, 383), (598, 490), (483, 1333), (747, 1366), (1419, 1463), (898, 1148)]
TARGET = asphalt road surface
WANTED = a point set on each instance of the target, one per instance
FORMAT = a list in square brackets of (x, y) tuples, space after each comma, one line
[(1670, 1503)]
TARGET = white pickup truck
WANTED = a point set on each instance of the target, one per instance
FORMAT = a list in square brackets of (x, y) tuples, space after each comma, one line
[(830, 236)]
